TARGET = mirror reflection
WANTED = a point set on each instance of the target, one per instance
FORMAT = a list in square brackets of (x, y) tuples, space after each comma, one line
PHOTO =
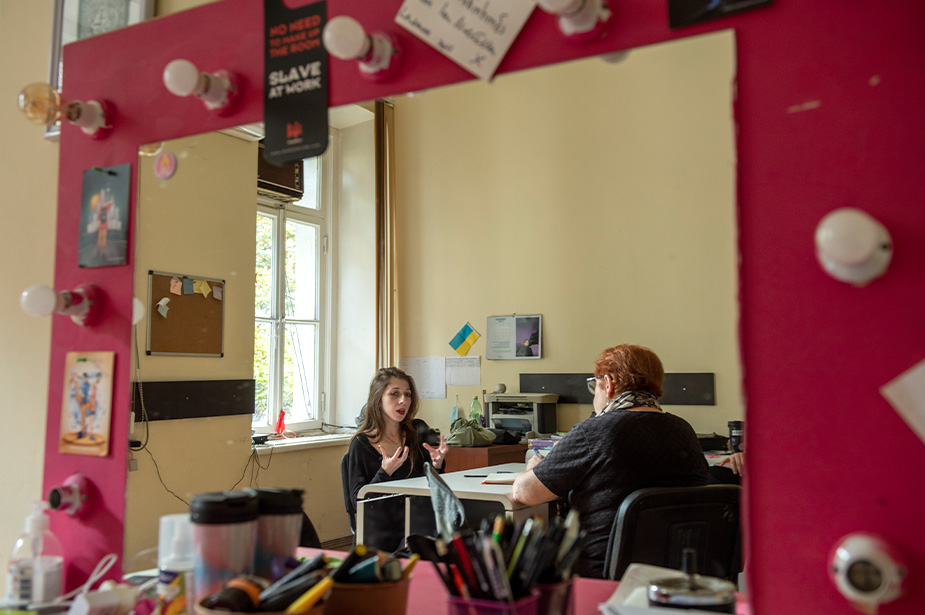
[(599, 195)]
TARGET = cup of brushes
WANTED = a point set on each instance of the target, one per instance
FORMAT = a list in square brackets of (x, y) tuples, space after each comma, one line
[(320, 585), (506, 568)]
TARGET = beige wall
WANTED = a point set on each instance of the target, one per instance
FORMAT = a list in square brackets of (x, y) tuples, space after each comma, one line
[(28, 176), (201, 222), (600, 196)]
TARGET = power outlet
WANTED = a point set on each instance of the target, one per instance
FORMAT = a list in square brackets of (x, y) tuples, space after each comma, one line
[(132, 464)]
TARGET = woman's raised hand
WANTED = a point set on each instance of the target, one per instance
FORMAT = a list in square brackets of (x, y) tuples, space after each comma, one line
[(437, 454), (390, 464)]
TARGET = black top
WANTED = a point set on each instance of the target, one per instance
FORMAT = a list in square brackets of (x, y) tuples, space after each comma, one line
[(384, 521), (605, 458)]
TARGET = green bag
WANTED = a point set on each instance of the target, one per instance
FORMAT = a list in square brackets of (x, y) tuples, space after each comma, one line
[(468, 432)]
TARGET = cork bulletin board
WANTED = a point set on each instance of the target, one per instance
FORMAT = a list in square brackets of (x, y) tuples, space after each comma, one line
[(186, 315)]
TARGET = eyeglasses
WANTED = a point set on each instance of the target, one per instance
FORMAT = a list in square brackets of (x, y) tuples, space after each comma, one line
[(592, 383)]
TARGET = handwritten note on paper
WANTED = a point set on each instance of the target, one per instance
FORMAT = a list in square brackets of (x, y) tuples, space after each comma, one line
[(475, 34), (463, 371), (429, 375)]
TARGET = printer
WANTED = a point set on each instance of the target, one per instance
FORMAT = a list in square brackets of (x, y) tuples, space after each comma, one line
[(526, 412)]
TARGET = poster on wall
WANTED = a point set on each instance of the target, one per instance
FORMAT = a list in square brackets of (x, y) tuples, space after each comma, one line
[(87, 406), (103, 236), (295, 92), (689, 12), (515, 337)]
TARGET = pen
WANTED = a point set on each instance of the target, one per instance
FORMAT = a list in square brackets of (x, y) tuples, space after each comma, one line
[(494, 567), (352, 559), (306, 601), (464, 565), (411, 562), (281, 584), (519, 547)]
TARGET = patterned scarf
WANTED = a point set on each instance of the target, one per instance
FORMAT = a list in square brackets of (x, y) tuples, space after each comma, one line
[(631, 399)]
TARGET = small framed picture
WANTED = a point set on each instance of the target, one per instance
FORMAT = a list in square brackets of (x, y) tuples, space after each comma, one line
[(77, 19), (103, 232), (87, 404)]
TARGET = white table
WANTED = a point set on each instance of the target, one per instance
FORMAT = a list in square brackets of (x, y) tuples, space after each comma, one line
[(466, 484)]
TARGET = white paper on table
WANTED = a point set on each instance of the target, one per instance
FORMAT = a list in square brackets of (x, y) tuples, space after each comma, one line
[(906, 393), (429, 375), (474, 34), (639, 575), (463, 371)]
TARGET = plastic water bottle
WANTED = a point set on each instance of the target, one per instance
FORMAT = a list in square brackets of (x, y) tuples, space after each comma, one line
[(454, 413), (475, 409), (36, 566)]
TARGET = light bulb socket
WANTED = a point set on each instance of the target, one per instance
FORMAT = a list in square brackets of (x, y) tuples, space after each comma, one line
[(221, 93), (384, 59), (93, 117), (588, 22)]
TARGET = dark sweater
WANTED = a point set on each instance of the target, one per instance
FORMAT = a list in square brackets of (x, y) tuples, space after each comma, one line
[(384, 523), (605, 458)]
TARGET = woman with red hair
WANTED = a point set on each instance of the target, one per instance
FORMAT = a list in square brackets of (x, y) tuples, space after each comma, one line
[(627, 444)]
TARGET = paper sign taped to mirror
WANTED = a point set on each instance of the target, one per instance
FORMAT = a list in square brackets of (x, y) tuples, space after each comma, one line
[(475, 34)]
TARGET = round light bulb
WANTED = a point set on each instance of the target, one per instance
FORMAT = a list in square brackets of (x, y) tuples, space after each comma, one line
[(852, 246), (41, 103), (345, 38), (181, 77), (847, 235), (39, 301)]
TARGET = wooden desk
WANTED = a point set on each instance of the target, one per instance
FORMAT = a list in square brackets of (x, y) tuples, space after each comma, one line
[(466, 458)]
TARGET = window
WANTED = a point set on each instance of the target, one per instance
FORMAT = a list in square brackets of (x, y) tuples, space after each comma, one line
[(290, 315)]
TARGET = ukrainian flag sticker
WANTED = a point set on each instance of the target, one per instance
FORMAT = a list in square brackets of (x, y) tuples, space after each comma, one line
[(464, 340)]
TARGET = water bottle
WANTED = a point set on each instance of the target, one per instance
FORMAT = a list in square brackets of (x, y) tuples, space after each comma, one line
[(36, 566), (454, 413), (475, 409)]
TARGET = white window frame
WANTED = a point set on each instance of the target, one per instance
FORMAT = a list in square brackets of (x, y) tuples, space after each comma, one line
[(325, 219)]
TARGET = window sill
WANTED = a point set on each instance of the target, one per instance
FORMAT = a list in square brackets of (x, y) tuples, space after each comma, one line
[(302, 443)]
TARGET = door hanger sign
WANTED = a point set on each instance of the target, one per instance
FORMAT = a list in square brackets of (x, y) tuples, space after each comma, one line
[(295, 89)]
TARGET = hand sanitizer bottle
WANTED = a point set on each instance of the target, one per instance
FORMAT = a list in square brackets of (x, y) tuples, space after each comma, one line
[(36, 566)]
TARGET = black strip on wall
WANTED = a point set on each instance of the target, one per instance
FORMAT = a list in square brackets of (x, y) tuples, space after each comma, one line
[(680, 389), (187, 399)]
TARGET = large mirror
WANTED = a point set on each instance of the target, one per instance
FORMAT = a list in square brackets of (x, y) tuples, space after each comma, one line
[(601, 195)]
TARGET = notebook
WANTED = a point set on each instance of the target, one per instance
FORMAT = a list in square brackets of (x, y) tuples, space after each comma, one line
[(500, 478)]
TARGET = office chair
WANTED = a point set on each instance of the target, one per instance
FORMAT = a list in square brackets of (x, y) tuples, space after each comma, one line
[(654, 525), (348, 504)]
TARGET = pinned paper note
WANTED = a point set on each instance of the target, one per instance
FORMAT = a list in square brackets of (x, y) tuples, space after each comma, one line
[(906, 393), (176, 287), (475, 34), (162, 309), (217, 292), (164, 301), (188, 286), (463, 340), (204, 288)]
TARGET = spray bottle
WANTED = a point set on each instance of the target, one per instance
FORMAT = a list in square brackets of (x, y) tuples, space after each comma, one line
[(36, 566)]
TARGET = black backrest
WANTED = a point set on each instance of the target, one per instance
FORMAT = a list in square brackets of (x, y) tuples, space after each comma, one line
[(348, 504), (654, 524)]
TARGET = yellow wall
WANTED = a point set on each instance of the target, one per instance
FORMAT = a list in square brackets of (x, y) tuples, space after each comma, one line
[(601, 196), (28, 176), (201, 222)]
